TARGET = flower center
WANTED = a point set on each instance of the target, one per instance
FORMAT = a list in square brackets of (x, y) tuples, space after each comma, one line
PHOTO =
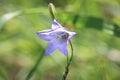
[(64, 35), (61, 35)]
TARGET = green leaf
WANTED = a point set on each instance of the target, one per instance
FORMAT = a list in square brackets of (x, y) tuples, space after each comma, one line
[(7, 17)]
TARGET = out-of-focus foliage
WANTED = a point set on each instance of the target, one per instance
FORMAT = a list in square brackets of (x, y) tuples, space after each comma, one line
[(96, 45)]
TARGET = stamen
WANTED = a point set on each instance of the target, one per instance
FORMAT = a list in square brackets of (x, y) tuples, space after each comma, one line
[(64, 35)]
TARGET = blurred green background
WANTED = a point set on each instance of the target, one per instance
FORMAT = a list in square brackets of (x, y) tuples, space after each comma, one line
[(96, 45)]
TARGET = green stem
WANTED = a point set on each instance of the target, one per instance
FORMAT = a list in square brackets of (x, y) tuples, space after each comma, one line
[(68, 63), (71, 53), (30, 74)]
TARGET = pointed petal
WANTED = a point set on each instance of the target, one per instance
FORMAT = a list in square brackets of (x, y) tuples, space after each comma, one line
[(44, 36), (63, 48), (50, 48), (45, 31), (55, 25), (71, 34)]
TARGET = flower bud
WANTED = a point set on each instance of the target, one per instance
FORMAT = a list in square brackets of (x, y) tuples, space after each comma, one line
[(52, 10)]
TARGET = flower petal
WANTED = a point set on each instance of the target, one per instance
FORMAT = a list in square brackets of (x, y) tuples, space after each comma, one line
[(44, 36), (63, 48), (46, 31), (71, 34), (50, 48), (55, 25)]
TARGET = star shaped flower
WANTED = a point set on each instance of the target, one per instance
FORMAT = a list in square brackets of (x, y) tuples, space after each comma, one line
[(57, 37)]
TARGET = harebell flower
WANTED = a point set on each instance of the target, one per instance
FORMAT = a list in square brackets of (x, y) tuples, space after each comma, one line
[(57, 37)]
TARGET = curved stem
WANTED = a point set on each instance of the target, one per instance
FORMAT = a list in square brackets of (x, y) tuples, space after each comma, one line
[(71, 53), (68, 63), (30, 74)]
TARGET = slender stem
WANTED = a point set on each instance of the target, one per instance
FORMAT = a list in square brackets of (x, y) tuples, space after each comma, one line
[(67, 59), (34, 67), (71, 53), (68, 63)]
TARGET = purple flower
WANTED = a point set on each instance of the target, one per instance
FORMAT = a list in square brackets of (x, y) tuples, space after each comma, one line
[(57, 37)]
